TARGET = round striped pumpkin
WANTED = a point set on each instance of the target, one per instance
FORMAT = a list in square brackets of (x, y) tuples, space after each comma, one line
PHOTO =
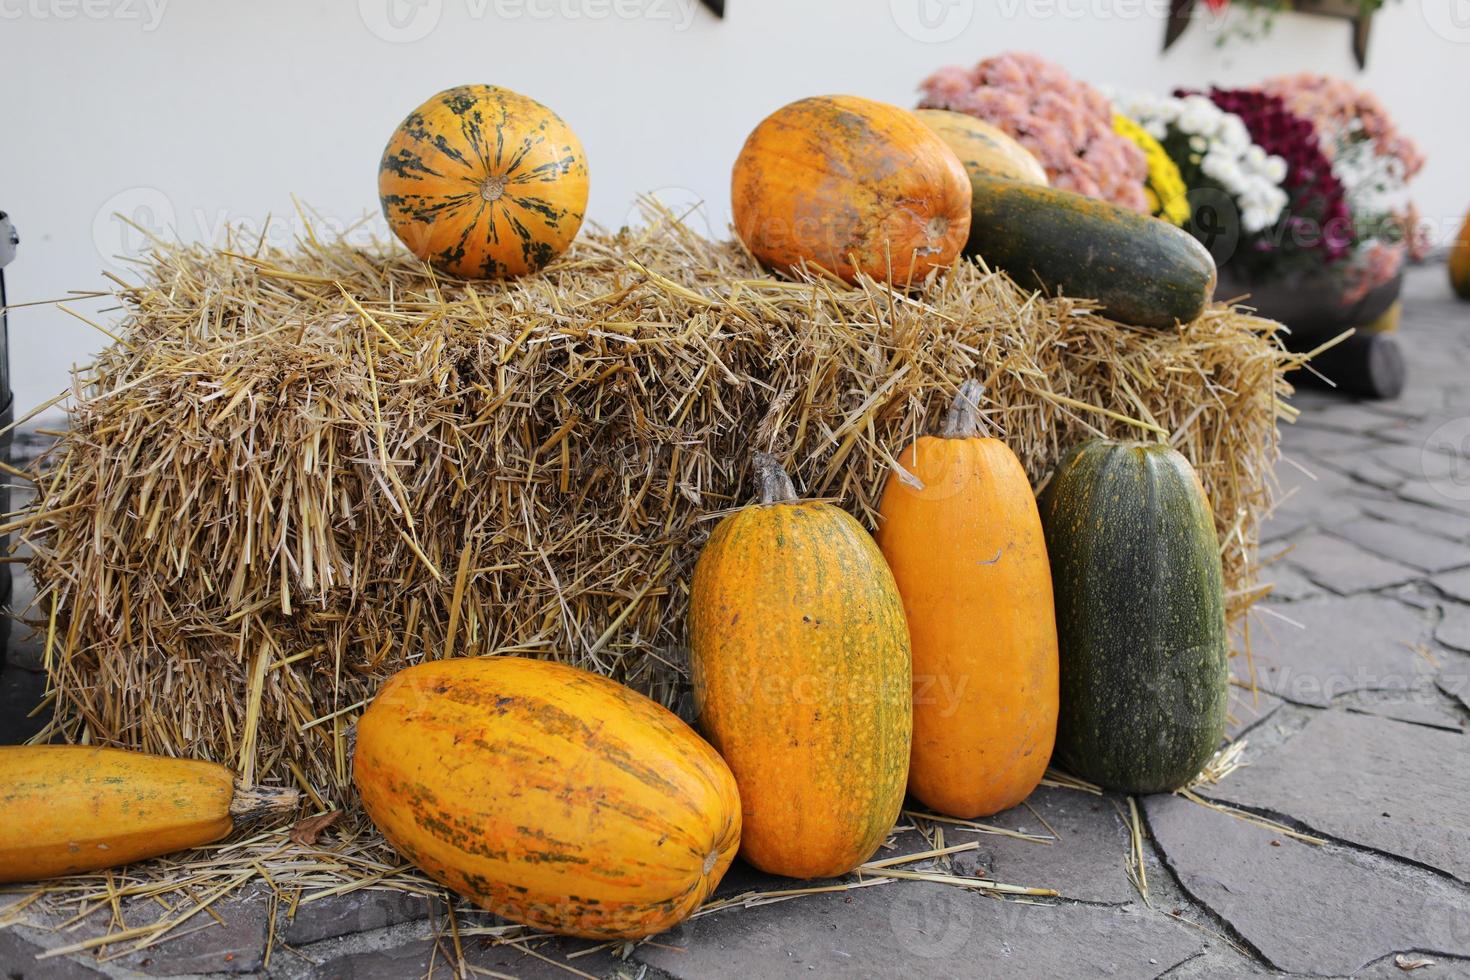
[(483, 183), (548, 795)]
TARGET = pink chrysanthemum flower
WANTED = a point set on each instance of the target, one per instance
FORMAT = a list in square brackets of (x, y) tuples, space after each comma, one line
[(1067, 124)]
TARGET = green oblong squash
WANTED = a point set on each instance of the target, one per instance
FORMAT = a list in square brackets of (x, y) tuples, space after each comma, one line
[(1140, 616), (1141, 270)]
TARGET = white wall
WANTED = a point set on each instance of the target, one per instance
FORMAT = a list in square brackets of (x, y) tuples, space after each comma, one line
[(193, 113)]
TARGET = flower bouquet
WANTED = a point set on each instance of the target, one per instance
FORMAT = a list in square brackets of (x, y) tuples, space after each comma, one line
[(1297, 186)]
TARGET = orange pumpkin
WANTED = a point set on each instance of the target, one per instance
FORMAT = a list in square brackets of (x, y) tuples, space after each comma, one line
[(985, 150), (483, 183), (68, 809), (963, 536), (1460, 262), (853, 186), (800, 660), (548, 795)]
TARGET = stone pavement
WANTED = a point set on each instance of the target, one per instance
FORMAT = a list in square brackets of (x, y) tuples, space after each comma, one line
[(1356, 737)]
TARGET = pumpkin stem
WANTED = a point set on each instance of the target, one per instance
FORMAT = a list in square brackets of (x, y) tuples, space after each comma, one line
[(963, 418), (255, 803), (771, 480)]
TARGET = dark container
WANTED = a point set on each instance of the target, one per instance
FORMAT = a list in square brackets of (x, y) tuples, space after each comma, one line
[(1365, 365), (8, 241)]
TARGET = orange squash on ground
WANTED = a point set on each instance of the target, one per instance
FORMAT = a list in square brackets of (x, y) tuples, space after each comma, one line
[(66, 809), (484, 183), (969, 555), (548, 795), (853, 186), (800, 660), (983, 149), (1460, 262)]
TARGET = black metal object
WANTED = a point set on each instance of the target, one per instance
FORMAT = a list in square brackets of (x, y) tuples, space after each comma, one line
[(8, 241), (1367, 365), (1180, 12)]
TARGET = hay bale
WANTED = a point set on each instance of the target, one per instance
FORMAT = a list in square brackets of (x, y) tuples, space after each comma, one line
[(297, 472)]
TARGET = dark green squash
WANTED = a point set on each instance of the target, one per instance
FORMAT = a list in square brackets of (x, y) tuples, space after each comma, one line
[(1135, 567), (1141, 270)]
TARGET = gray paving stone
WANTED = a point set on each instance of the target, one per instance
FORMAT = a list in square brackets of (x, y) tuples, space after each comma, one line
[(1285, 522), (1417, 462), (1086, 864), (18, 961), (1394, 787), (923, 929), (1432, 520), (1345, 568), (343, 915), (1368, 470), (1426, 494), (1288, 584), (234, 945), (1442, 968), (1454, 680), (1422, 706), (1351, 417), (1405, 545), (1305, 479), (1321, 441), (1363, 643), (424, 959), (1316, 910), (1247, 709), (1455, 584), (1454, 629)]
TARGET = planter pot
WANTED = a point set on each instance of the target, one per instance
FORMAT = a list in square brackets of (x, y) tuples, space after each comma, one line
[(1312, 306), (1369, 365), (1180, 12)]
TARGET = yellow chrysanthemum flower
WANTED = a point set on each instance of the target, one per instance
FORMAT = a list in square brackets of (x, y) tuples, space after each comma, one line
[(1167, 195)]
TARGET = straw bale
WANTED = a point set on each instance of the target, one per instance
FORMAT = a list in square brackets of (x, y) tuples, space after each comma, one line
[(299, 471)]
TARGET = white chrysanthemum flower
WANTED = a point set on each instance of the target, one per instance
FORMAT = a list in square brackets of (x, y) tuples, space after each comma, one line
[(1228, 155), (1254, 220)]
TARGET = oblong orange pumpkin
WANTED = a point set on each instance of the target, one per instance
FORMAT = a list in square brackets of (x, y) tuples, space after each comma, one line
[(1459, 262), (983, 149), (800, 660), (66, 809), (548, 795), (967, 550), (484, 183), (853, 186)]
